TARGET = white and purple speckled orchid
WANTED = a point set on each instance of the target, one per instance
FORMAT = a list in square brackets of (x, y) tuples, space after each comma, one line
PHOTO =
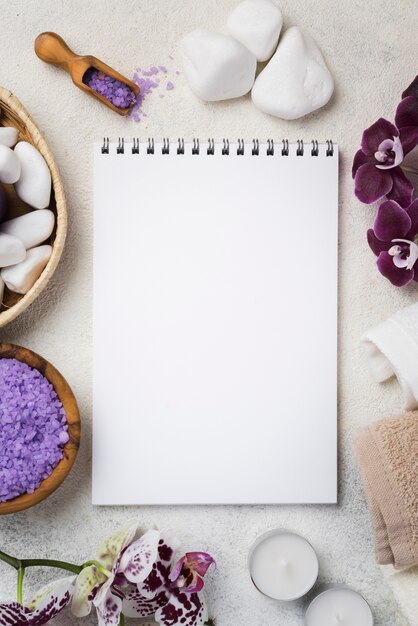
[(135, 576)]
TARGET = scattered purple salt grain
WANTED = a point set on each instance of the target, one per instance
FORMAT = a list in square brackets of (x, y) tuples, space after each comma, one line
[(148, 81), (33, 429), (118, 93)]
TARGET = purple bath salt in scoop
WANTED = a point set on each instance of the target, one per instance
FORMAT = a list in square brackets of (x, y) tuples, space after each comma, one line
[(89, 73), (33, 429)]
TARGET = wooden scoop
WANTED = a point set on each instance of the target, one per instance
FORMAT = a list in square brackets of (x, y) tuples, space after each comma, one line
[(52, 48)]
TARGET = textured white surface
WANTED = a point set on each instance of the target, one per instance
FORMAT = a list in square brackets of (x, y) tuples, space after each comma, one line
[(371, 50)]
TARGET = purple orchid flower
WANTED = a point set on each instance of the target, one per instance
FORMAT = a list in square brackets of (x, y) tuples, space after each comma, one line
[(376, 166), (189, 571), (393, 241)]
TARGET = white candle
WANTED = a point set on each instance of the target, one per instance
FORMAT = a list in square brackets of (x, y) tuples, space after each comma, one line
[(283, 565), (339, 606)]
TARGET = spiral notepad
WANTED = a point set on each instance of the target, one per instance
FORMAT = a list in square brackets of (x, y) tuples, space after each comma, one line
[(215, 322)]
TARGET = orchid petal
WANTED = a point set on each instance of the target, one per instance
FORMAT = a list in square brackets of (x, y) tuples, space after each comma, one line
[(371, 184), (135, 605), (376, 244), (137, 560), (407, 112), (412, 211), (111, 548), (412, 89), (86, 581), (375, 134), (402, 189), (13, 614), (360, 159), (409, 136), (159, 578), (109, 609), (176, 571), (187, 610), (391, 221), (50, 600), (200, 561), (397, 276)]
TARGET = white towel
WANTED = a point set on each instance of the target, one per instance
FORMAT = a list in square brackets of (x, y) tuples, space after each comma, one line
[(404, 585), (392, 349)]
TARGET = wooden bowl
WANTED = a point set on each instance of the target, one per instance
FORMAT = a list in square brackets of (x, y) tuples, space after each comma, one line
[(64, 393), (12, 113)]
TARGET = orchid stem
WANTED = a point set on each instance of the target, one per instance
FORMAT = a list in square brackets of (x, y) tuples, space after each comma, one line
[(10, 560), (122, 620), (20, 577), (70, 567), (20, 564), (412, 170)]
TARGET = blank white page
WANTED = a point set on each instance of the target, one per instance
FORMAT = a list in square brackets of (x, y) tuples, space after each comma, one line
[(215, 326)]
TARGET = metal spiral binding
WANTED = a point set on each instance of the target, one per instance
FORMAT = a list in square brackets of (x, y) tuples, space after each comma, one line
[(166, 146), (225, 147), (180, 147), (330, 148)]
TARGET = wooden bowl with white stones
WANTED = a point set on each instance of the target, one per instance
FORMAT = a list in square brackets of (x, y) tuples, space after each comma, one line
[(13, 113)]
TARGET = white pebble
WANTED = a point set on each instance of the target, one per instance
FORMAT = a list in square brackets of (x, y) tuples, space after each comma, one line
[(21, 277), (12, 250), (9, 166), (296, 80), (34, 184), (217, 67), (32, 228), (8, 136), (257, 25)]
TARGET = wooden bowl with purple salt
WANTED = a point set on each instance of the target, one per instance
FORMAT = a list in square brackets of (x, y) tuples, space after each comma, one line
[(39, 428)]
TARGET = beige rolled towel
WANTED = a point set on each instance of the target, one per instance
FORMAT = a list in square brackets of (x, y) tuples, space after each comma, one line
[(387, 454)]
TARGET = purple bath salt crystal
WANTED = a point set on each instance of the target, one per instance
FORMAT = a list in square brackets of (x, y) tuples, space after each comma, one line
[(33, 429), (169, 86), (118, 93)]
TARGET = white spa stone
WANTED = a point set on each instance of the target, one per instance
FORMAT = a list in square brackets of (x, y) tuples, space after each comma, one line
[(296, 80), (12, 250), (32, 228), (21, 277), (10, 167), (8, 136), (257, 25), (34, 184), (217, 67)]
